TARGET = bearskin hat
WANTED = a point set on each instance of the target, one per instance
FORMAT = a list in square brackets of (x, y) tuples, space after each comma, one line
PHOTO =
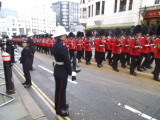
[(89, 33), (128, 32), (145, 30), (101, 32), (71, 34), (82, 34), (158, 30), (107, 34), (137, 29), (79, 34), (117, 32), (152, 31)]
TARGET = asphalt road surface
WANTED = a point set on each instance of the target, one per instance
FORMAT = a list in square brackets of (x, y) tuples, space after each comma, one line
[(97, 94)]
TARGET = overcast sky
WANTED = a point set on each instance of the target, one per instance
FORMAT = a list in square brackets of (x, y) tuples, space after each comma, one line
[(20, 4)]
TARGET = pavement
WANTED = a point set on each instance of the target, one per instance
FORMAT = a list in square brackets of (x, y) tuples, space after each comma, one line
[(97, 94), (23, 107)]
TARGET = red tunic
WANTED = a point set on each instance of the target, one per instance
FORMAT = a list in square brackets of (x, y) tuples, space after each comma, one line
[(101, 45), (110, 43), (96, 44), (144, 42), (79, 44), (88, 45), (157, 51), (116, 49), (125, 47), (72, 44), (133, 50)]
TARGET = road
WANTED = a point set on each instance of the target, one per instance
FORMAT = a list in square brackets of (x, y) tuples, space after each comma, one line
[(98, 93)]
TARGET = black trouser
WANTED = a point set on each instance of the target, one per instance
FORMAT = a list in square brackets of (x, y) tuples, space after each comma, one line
[(116, 58), (109, 56), (26, 72), (60, 93), (71, 53), (82, 52), (31, 61), (140, 61), (125, 58), (157, 69), (79, 54), (151, 58), (96, 56), (88, 56), (135, 60), (100, 57), (146, 60)]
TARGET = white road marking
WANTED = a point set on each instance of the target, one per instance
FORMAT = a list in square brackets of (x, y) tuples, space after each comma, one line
[(139, 113), (74, 82)]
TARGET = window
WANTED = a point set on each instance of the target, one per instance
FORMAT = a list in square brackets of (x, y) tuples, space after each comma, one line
[(97, 8), (89, 11), (157, 1), (13, 29), (84, 13), (103, 7), (122, 5), (115, 6), (130, 4), (92, 10)]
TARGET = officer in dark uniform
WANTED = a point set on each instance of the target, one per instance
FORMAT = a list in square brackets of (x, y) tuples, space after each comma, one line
[(32, 49), (61, 71), (25, 60)]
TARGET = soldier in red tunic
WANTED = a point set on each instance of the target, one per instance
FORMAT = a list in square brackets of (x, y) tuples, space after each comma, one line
[(135, 47), (157, 55), (116, 50), (101, 47), (152, 45), (88, 47), (125, 56), (145, 42), (110, 46), (72, 44), (79, 44)]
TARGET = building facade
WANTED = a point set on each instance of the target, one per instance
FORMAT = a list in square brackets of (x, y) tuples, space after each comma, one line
[(150, 11), (39, 20), (67, 14), (110, 13)]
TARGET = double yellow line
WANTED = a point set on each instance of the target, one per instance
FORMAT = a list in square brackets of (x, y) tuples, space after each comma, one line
[(50, 104)]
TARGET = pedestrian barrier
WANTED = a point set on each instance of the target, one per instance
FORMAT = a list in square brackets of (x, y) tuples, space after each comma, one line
[(9, 96)]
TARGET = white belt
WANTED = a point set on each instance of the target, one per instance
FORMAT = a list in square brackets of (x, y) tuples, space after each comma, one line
[(59, 63)]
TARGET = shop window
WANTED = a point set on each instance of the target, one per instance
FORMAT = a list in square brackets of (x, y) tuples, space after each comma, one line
[(157, 1), (130, 4), (115, 6), (122, 5), (103, 7), (98, 8)]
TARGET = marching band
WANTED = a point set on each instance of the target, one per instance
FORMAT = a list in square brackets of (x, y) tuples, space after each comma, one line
[(138, 47)]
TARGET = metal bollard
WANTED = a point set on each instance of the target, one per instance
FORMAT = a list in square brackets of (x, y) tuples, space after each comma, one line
[(8, 73)]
